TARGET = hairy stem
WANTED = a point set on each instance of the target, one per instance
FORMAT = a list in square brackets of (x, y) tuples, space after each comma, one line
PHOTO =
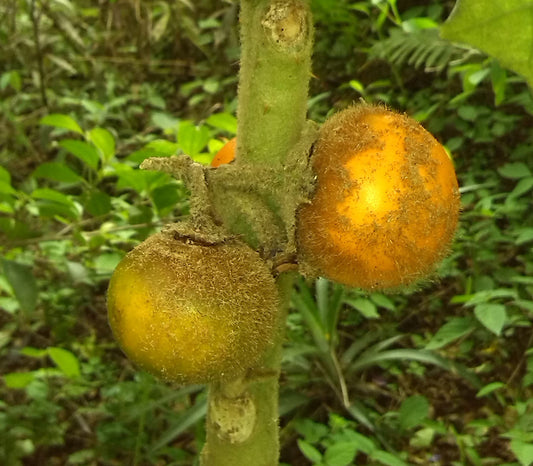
[(242, 422), (273, 84)]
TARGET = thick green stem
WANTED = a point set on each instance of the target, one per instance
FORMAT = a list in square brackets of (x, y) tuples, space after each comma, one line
[(276, 41), (242, 422)]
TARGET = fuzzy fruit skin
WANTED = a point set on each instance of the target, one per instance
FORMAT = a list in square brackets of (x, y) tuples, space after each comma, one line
[(226, 154), (386, 203), (192, 313)]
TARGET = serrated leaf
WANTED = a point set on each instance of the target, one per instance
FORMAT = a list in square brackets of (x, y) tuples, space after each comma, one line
[(312, 431), (413, 411), (340, 454), (492, 316), (60, 120), (502, 29), (66, 361), (21, 279)]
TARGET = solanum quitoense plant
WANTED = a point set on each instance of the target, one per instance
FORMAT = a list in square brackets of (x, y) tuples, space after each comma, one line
[(370, 200)]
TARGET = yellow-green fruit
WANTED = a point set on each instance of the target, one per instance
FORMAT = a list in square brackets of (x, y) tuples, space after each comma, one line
[(191, 312)]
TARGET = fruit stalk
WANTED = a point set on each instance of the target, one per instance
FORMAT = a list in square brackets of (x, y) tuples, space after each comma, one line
[(276, 38)]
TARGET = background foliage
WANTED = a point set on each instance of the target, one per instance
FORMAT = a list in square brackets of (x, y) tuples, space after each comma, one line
[(442, 375)]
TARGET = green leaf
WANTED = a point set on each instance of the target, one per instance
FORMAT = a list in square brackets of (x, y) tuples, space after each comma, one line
[(413, 411), (366, 307), (224, 121), (98, 203), (21, 279), (523, 452), (139, 180), (11, 78), (489, 388), (106, 263), (492, 316), (84, 151), (165, 196), (60, 120), (57, 172), (456, 328), (525, 235), (312, 431), (340, 454), (192, 139), (66, 361), (6, 188), (165, 121), (492, 26), (405, 354), (5, 176), (387, 458), (522, 187), (383, 301), (52, 203), (52, 195), (33, 352), (514, 170), (104, 141), (19, 379), (309, 451)]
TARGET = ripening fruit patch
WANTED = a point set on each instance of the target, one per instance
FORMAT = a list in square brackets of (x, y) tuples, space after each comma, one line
[(192, 313), (386, 203)]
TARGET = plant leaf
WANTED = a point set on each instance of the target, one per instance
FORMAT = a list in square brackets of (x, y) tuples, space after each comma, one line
[(523, 452), (340, 454), (84, 151), (61, 121), (492, 316), (309, 451), (413, 411), (492, 26), (21, 279), (66, 361), (104, 141)]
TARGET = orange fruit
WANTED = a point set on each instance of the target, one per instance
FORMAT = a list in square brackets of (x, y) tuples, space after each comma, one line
[(192, 313), (226, 154), (386, 203)]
